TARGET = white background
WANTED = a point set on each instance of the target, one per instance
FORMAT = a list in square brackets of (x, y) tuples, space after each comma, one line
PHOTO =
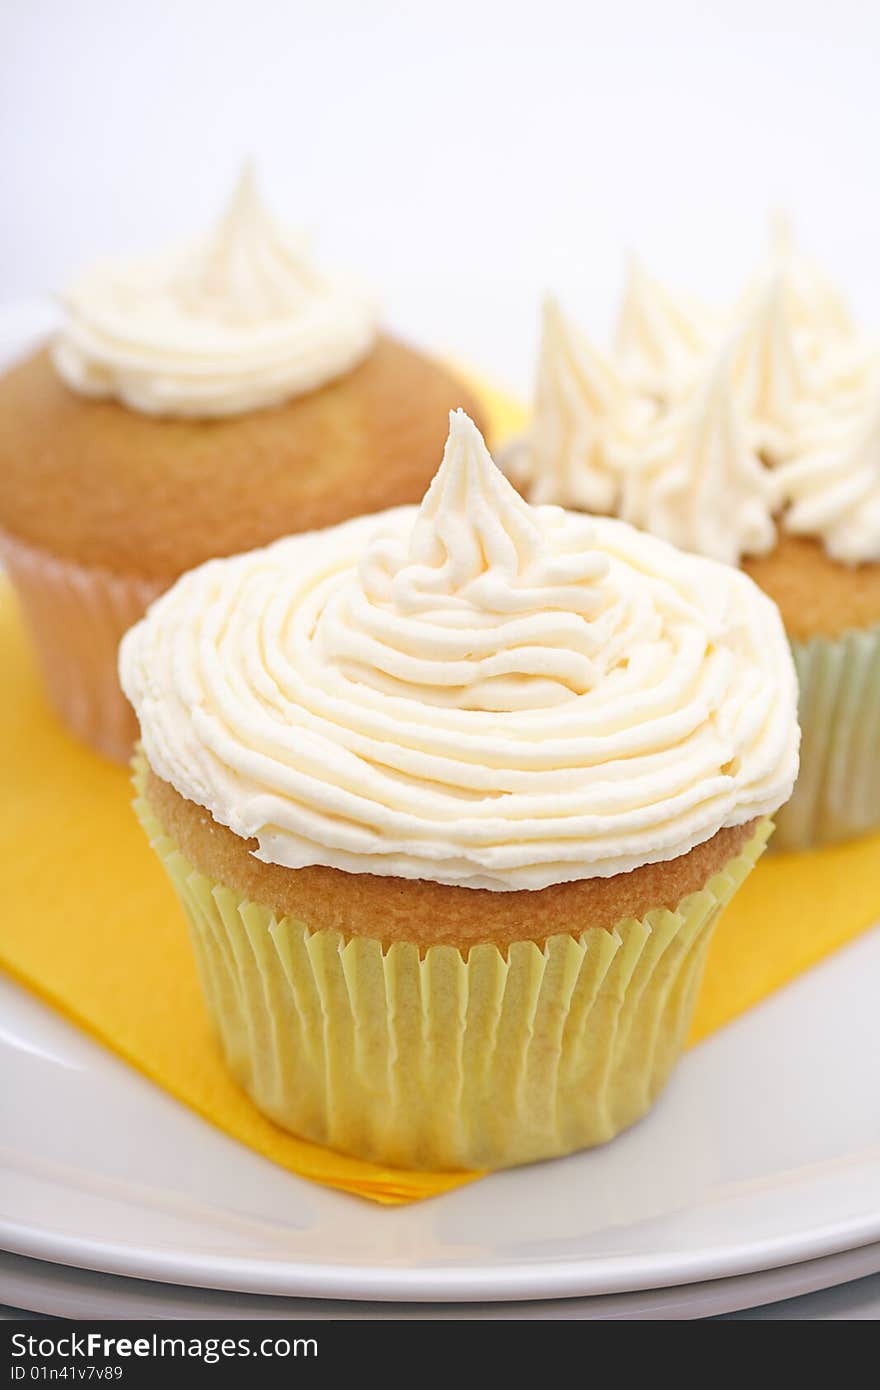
[(462, 157)]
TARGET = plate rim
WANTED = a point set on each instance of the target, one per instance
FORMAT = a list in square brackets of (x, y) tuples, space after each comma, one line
[(546, 1279), (680, 1302)]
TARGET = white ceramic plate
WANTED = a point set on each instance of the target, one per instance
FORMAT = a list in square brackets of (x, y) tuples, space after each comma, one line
[(846, 1292), (764, 1151)]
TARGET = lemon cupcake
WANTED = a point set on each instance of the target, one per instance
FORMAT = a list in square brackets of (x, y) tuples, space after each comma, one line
[(195, 404), (752, 437), (453, 797)]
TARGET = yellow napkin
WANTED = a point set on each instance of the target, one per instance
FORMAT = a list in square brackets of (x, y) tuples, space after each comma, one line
[(91, 924)]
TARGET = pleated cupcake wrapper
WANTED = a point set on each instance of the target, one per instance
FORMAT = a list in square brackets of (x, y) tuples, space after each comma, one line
[(77, 616), (837, 794), (438, 1060)]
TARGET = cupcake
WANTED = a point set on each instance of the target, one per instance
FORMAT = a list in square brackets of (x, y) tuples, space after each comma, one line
[(453, 797), (751, 437), (195, 404)]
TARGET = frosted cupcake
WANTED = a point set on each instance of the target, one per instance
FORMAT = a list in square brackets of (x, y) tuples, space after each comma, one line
[(752, 437), (453, 797), (195, 404)]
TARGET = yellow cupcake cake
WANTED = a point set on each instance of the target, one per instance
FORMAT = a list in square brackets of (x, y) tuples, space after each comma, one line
[(453, 797)]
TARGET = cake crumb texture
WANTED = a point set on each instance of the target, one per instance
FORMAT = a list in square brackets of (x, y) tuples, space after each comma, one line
[(390, 909)]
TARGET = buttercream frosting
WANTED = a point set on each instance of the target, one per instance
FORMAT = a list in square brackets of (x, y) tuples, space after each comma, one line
[(660, 334), (696, 481), (768, 376), (240, 321), (838, 366), (662, 449), (818, 311), (475, 691), (832, 489), (577, 396)]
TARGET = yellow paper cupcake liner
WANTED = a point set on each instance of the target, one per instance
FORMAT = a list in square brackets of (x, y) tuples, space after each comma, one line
[(837, 794), (77, 616), (437, 1060)]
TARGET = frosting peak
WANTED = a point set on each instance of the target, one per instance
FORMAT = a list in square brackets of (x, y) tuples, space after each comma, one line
[(474, 692), (485, 604), (471, 526), (247, 271), (767, 372), (816, 308), (653, 439), (239, 321), (697, 482), (658, 334)]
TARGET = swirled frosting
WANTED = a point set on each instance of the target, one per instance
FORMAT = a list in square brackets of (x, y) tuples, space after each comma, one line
[(697, 482), (240, 321), (832, 490), (576, 398), (818, 312), (660, 335), (476, 691), (661, 449), (768, 376)]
